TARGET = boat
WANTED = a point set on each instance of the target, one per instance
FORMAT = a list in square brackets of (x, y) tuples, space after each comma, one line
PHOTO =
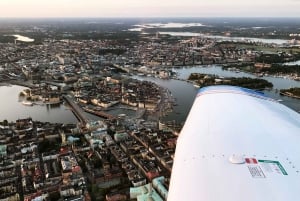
[(260, 75), (27, 103), (196, 86)]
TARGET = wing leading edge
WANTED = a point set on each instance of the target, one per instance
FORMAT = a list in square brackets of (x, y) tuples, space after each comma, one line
[(237, 144)]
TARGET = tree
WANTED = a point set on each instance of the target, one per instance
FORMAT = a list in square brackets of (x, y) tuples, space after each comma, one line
[(5, 122)]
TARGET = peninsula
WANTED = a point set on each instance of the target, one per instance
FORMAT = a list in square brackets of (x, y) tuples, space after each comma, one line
[(203, 80)]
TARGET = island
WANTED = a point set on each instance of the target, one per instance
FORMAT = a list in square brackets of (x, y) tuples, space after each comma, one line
[(292, 92), (202, 80)]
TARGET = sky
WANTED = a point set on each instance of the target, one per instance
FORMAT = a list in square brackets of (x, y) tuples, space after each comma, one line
[(148, 8)]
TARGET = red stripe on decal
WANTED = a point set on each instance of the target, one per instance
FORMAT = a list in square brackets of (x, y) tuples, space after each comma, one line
[(251, 160)]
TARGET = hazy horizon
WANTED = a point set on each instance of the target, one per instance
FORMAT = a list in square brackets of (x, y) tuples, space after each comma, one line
[(148, 9), (179, 17)]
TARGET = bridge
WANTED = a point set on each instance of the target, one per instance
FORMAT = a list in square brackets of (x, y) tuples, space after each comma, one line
[(53, 83), (79, 113), (99, 113), (121, 68)]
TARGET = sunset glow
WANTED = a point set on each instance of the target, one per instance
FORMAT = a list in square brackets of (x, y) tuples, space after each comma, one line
[(153, 8)]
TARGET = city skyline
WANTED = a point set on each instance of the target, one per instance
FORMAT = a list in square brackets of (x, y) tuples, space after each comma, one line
[(154, 8)]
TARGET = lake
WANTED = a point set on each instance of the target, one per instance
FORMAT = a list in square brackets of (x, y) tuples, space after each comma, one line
[(23, 38), (228, 38)]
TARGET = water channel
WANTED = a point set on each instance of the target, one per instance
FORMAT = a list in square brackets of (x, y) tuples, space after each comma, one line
[(228, 38), (184, 93)]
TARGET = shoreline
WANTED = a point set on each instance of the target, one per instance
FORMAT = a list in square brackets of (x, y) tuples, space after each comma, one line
[(288, 94), (283, 76), (164, 106)]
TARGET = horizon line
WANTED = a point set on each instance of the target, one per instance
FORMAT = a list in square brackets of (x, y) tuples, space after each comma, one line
[(149, 17)]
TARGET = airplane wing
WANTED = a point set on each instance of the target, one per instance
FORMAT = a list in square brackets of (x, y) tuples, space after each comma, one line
[(237, 145)]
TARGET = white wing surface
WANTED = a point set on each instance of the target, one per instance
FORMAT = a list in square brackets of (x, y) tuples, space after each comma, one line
[(237, 145)]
